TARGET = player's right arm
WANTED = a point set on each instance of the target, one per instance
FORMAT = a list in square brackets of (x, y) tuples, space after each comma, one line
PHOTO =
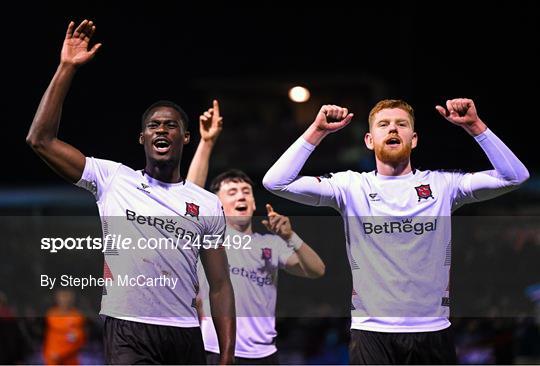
[(63, 158), (283, 180), (221, 295), (210, 127)]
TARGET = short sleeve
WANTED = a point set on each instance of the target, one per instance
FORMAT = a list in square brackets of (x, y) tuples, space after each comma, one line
[(97, 176), (283, 251), (216, 225)]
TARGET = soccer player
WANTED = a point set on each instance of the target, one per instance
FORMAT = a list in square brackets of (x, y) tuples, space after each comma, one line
[(149, 304), (397, 225), (64, 332), (254, 259)]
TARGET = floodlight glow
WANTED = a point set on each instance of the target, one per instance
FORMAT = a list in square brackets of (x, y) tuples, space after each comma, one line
[(299, 94)]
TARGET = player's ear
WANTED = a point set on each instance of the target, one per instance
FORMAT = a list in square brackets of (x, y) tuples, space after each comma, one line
[(368, 140), (187, 137), (414, 140), (141, 139)]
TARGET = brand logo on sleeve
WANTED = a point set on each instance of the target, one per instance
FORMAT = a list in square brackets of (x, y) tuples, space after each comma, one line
[(192, 210), (424, 192), (324, 176)]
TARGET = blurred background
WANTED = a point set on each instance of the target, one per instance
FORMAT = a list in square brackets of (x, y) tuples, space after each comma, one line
[(249, 58)]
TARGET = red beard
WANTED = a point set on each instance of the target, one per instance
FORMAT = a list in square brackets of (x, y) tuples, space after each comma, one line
[(393, 156)]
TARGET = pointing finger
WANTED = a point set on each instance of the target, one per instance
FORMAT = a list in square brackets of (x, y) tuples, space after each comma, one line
[(216, 107), (443, 112)]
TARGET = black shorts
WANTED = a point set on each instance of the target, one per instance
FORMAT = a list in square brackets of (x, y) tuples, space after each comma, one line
[(273, 359), (131, 343), (367, 348)]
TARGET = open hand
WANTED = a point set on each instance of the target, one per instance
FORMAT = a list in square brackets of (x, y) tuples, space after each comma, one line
[(75, 50)]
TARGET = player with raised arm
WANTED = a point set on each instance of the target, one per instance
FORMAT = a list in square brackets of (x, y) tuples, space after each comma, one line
[(254, 259), (153, 322), (397, 225)]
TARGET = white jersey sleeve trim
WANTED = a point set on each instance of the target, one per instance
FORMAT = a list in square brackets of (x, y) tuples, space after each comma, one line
[(97, 176)]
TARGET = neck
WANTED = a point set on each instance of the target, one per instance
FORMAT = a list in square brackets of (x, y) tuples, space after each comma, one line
[(244, 228), (165, 172), (394, 169)]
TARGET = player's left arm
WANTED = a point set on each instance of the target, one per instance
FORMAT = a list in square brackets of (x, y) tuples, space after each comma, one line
[(509, 172), (304, 262)]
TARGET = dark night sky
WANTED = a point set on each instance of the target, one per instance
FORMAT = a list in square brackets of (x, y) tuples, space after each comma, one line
[(426, 53)]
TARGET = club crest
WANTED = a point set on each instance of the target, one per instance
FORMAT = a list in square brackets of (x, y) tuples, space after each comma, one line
[(424, 192), (266, 254), (192, 210)]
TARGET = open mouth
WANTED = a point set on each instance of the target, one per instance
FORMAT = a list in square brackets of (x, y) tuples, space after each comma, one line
[(393, 141), (161, 145), (241, 208)]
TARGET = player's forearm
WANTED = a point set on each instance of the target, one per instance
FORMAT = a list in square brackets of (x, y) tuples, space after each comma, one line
[(198, 169), (282, 178), (311, 263), (224, 318), (476, 128), (288, 166), (314, 135), (505, 162), (44, 127)]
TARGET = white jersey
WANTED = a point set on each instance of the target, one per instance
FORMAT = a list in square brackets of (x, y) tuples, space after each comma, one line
[(397, 230), (148, 282), (398, 244), (254, 277)]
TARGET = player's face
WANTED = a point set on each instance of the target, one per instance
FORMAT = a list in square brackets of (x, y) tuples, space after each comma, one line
[(391, 136), (238, 201), (164, 136), (64, 299)]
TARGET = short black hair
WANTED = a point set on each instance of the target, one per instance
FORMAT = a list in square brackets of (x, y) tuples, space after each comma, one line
[(165, 103), (232, 175)]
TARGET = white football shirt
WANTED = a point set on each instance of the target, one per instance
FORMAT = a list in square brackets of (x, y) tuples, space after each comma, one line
[(254, 277), (151, 282), (397, 230)]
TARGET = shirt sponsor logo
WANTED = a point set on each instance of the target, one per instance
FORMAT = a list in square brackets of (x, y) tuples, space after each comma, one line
[(252, 276), (168, 225), (404, 226)]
